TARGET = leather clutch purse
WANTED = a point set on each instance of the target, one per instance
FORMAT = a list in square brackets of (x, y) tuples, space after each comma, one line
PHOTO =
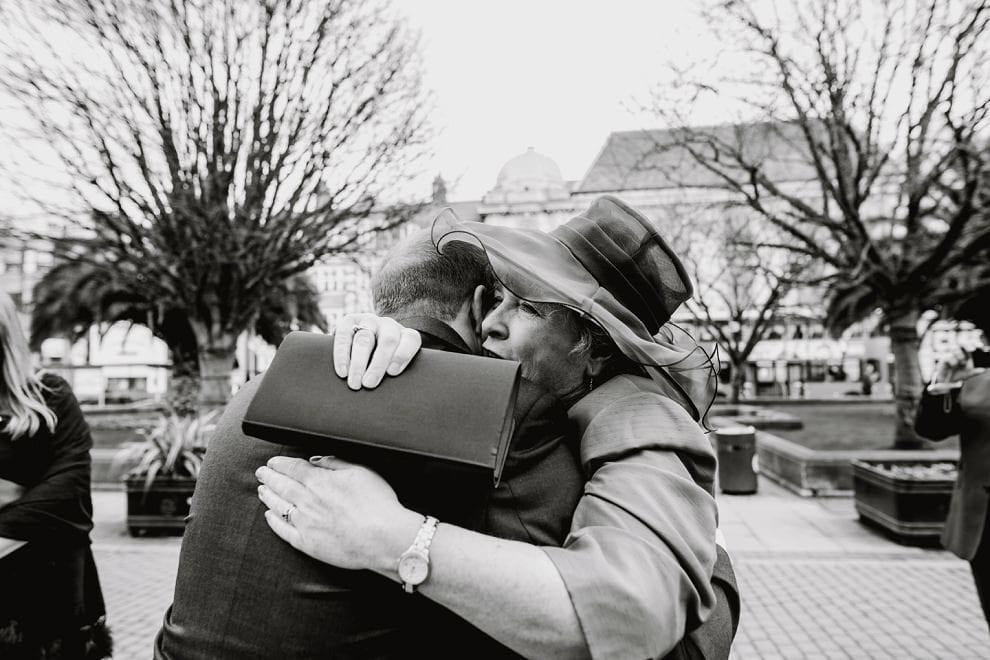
[(445, 407)]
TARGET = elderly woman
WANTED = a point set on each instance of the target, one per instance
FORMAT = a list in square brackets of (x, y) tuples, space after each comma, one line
[(581, 309)]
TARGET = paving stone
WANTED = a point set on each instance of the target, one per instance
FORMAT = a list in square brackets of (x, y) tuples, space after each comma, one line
[(894, 607), (879, 600), (137, 584)]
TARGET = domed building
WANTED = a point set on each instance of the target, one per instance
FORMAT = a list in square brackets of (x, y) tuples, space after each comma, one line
[(529, 192), (528, 177)]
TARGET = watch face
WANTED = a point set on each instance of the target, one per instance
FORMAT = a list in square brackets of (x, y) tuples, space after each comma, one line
[(413, 568)]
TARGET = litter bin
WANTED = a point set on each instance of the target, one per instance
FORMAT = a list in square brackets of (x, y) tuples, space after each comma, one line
[(736, 449)]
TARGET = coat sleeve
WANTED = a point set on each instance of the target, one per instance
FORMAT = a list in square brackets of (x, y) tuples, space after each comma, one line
[(57, 509), (639, 558)]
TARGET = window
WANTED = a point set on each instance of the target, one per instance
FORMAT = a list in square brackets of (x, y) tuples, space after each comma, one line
[(836, 374), (127, 385), (816, 372), (764, 373)]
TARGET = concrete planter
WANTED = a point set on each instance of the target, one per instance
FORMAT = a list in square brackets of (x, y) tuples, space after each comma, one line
[(910, 507), (818, 472), (760, 418), (162, 508)]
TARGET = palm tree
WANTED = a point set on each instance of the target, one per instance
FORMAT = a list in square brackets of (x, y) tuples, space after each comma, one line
[(74, 296), (207, 152)]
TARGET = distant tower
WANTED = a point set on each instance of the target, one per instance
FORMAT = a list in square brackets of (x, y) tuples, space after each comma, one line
[(439, 190)]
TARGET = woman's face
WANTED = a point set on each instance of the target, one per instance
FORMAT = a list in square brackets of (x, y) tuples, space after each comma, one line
[(514, 329)]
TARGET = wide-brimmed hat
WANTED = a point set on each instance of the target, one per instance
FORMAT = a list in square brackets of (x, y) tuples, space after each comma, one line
[(611, 265)]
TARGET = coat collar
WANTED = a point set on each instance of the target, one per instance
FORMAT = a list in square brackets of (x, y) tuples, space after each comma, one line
[(437, 334)]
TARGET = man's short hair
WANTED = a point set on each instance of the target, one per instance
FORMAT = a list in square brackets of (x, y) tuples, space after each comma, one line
[(415, 279)]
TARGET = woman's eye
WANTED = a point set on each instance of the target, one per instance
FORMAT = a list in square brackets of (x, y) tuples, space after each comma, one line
[(529, 309)]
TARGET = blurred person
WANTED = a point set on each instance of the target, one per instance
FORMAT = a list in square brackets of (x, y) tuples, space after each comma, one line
[(242, 593), (868, 378), (635, 576), (51, 604), (957, 402)]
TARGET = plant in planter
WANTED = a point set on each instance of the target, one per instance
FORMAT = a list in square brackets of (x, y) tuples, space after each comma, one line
[(907, 498), (166, 462)]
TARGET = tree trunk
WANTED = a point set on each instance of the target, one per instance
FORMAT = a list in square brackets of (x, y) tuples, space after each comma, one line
[(183, 387), (738, 381), (905, 343), (216, 350), (215, 366)]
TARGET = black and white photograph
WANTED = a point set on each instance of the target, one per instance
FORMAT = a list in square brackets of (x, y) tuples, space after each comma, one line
[(373, 329)]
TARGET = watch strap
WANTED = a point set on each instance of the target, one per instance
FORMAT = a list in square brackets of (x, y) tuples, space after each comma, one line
[(424, 537), (421, 546)]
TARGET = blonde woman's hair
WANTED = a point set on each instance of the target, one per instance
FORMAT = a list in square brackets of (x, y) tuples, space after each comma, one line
[(20, 388)]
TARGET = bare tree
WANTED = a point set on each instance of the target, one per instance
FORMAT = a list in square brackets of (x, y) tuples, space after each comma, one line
[(740, 286), (208, 151), (876, 111)]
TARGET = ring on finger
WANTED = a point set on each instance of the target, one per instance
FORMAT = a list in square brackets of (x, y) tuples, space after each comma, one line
[(361, 326), (287, 516)]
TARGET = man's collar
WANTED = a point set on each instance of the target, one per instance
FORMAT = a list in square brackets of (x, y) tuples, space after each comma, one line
[(436, 330)]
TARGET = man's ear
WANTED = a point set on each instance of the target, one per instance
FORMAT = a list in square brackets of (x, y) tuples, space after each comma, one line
[(478, 308)]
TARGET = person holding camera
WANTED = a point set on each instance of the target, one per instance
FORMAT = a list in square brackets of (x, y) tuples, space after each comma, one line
[(957, 401)]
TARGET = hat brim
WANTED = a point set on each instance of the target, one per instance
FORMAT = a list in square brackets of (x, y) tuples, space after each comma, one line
[(537, 267)]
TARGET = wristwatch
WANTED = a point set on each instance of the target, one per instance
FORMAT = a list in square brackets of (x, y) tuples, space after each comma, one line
[(414, 563)]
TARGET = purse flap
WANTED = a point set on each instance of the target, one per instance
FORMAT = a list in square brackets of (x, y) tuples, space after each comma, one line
[(447, 406)]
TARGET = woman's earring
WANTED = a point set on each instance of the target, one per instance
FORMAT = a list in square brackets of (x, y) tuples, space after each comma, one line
[(591, 383)]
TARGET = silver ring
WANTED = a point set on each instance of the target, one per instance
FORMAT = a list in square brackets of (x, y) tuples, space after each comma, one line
[(361, 326), (288, 513)]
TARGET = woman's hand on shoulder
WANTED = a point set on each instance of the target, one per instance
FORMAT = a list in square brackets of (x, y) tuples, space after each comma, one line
[(367, 347), (340, 513)]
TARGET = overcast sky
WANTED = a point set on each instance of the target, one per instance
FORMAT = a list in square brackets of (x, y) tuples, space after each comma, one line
[(554, 75)]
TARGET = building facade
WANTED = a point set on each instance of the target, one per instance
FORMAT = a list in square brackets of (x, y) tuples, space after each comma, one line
[(649, 170)]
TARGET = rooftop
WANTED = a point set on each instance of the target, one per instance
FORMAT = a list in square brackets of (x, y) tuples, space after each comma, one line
[(660, 158)]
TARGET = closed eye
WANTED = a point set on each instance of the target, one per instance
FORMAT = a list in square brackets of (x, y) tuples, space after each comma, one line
[(530, 309)]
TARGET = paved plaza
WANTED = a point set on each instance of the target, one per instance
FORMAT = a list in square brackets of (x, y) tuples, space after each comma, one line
[(815, 583)]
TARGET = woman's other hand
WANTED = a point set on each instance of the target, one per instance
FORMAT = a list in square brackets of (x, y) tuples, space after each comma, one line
[(10, 492), (338, 512), (366, 347)]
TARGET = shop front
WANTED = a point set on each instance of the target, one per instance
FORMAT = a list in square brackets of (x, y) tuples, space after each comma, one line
[(820, 368)]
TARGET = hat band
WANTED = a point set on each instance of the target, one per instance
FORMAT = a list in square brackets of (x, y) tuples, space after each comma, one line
[(612, 267)]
